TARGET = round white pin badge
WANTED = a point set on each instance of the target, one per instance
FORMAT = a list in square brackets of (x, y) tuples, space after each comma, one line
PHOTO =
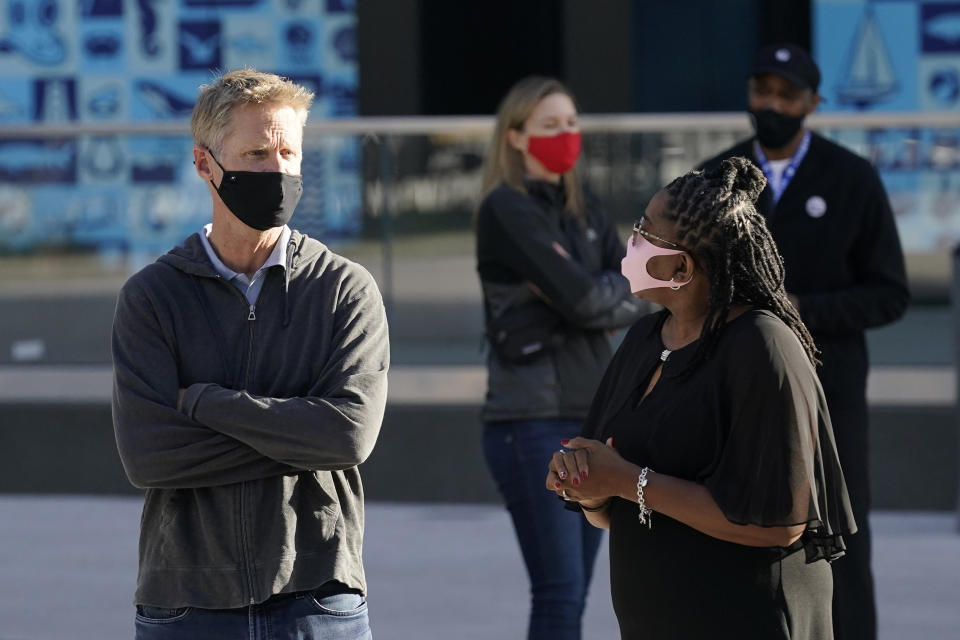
[(816, 207)]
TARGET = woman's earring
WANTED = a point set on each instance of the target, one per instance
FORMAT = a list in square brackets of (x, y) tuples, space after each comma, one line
[(677, 285)]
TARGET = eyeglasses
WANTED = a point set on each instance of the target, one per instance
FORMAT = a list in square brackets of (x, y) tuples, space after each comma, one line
[(638, 229)]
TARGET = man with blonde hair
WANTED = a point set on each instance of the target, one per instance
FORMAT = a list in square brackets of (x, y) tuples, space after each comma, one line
[(249, 382)]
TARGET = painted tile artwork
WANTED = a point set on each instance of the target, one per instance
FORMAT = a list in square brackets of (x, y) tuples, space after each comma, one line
[(899, 56), (97, 62)]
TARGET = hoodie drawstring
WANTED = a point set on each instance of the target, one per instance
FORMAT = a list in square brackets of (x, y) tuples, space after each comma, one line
[(291, 248)]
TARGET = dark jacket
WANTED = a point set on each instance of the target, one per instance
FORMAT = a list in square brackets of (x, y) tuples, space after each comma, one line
[(252, 487), (847, 269), (526, 239)]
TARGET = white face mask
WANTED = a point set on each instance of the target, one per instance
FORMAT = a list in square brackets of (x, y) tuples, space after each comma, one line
[(634, 264)]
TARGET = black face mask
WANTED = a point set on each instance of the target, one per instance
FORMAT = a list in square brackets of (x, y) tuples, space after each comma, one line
[(260, 199), (774, 129)]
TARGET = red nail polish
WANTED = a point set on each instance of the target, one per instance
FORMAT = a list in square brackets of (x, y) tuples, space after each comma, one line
[(557, 485), (576, 482), (564, 442), (583, 475)]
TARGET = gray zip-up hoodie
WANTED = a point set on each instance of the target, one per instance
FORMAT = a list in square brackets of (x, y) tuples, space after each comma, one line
[(252, 487)]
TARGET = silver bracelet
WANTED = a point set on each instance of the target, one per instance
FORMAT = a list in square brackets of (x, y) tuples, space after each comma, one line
[(645, 514)]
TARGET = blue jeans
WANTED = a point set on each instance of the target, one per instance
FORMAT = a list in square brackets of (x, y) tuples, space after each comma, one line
[(300, 616), (559, 546)]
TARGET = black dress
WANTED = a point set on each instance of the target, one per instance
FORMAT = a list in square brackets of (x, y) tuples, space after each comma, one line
[(750, 424)]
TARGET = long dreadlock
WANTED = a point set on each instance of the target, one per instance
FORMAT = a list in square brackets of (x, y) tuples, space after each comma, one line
[(715, 217)]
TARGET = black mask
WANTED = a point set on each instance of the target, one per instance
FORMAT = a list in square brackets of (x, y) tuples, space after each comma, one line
[(260, 199), (774, 129)]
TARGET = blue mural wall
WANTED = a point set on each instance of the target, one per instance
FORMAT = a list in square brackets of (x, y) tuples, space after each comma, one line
[(118, 61), (899, 56)]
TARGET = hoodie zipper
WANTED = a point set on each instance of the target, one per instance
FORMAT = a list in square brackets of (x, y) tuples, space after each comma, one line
[(248, 368), (245, 539), (243, 489), (242, 510)]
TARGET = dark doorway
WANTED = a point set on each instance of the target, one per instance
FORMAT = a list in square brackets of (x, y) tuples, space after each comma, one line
[(472, 52)]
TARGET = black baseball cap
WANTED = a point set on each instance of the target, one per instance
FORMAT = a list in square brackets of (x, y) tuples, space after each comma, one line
[(791, 62)]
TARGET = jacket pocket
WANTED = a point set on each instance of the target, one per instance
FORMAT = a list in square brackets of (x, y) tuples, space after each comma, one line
[(310, 510)]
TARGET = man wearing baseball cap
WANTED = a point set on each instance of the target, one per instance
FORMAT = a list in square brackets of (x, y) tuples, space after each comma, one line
[(831, 219)]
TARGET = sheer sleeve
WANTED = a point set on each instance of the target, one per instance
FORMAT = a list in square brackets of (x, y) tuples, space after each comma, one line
[(778, 464)]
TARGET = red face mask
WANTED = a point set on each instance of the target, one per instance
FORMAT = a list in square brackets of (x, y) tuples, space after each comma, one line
[(556, 153)]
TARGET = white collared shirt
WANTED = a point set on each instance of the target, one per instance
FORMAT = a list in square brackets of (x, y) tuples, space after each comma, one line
[(249, 287)]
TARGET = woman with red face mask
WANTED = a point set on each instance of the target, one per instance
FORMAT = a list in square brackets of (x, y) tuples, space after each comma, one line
[(549, 265), (709, 452)]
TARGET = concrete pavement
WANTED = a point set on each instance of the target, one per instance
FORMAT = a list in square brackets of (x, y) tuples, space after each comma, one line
[(68, 566)]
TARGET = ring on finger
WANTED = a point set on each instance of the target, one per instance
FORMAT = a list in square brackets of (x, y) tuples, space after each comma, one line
[(564, 494), (560, 472)]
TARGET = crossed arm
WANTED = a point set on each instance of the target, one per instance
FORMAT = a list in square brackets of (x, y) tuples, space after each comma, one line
[(527, 244), (207, 435)]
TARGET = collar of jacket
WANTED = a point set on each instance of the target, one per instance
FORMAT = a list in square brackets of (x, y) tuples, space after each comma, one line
[(546, 192), (191, 258), (812, 162)]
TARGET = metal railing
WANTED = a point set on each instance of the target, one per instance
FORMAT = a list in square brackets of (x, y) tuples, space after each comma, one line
[(627, 157), (476, 125)]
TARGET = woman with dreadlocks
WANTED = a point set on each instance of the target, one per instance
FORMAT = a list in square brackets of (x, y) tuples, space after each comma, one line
[(710, 456)]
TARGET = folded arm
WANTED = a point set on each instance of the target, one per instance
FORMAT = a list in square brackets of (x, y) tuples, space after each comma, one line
[(159, 446), (528, 245), (334, 429)]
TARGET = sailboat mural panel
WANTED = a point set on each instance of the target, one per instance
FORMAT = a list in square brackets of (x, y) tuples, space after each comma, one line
[(868, 75), (868, 54)]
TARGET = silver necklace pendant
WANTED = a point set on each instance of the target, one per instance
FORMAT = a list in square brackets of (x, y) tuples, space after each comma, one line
[(664, 355)]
